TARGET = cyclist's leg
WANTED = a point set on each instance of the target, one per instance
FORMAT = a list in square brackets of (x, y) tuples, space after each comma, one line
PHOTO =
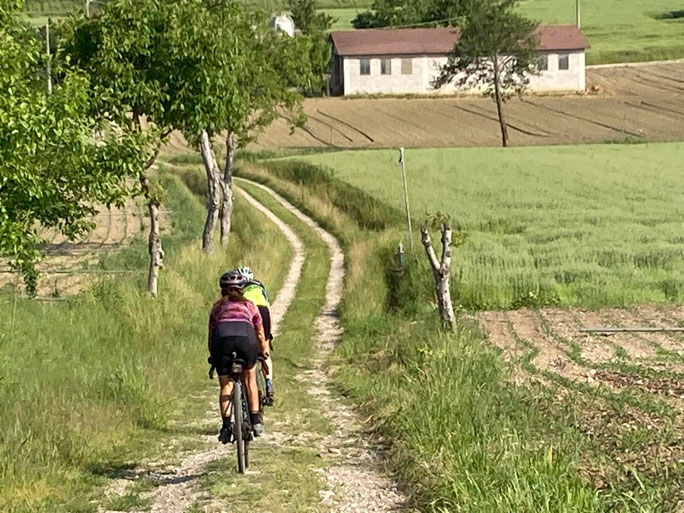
[(225, 396), (252, 389), (250, 379), (268, 375)]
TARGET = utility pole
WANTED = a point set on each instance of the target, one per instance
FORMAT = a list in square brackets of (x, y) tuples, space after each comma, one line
[(402, 160), (49, 58), (577, 14)]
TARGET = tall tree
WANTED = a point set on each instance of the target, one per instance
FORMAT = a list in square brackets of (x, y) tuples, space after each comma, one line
[(57, 160), (121, 51), (315, 26), (308, 18), (497, 51), (389, 13), (266, 89)]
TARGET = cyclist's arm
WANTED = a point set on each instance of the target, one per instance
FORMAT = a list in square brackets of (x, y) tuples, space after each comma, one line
[(212, 325), (259, 328)]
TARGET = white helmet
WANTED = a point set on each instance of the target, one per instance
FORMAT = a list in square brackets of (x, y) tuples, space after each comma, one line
[(246, 272)]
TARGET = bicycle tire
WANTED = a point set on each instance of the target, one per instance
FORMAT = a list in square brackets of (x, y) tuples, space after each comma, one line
[(261, 386), (238, 415)]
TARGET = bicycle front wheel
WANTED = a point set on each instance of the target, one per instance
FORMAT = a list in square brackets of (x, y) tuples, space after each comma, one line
[(239, 432)]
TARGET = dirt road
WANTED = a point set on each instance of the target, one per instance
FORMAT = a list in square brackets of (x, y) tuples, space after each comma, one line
[(352, 480)]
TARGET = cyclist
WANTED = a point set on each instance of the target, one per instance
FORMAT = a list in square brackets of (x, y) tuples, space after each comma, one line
[(257, 294), (236, 330)]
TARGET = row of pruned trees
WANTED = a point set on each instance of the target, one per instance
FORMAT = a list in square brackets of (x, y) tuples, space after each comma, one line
[(125, 80)]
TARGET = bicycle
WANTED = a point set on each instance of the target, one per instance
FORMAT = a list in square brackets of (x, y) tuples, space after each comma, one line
[(242, 425)]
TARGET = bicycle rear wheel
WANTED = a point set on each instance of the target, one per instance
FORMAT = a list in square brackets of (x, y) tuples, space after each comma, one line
[(239, 432)]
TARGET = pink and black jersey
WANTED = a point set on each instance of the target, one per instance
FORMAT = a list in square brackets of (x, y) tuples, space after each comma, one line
[(229, 311)]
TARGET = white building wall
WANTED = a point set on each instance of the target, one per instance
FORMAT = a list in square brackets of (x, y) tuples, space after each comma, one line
[(426, 68)]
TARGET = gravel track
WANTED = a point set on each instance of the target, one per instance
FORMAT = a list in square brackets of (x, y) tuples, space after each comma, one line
[(174, 491), (355, 481)]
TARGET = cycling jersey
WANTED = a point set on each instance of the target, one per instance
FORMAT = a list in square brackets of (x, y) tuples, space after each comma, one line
[(256, 293), (229, 311)]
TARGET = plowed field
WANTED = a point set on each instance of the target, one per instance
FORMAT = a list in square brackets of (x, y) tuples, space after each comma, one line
[(68, 266), (627, 389), (639, 103)]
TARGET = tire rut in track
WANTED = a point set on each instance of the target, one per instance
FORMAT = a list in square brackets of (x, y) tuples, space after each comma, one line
[(174, 492), (355, 481)]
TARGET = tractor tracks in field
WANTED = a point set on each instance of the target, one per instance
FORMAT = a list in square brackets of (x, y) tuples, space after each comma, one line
[(353, 481)]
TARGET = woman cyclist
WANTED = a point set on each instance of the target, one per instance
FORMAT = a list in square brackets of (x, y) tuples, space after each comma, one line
[(236, 331)]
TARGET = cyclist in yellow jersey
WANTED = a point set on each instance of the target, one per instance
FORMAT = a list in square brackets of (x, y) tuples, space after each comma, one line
[(255, 292)]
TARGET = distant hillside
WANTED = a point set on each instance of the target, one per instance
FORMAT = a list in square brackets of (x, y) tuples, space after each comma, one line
[(57, 7)]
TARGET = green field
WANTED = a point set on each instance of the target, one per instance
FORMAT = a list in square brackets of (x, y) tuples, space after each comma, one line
[(618, 30), (574, 225)]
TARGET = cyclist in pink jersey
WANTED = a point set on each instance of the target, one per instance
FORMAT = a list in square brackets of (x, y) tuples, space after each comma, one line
[(236, 332)]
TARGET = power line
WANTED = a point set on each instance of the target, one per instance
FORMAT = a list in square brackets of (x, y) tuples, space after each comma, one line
[(419, 24)]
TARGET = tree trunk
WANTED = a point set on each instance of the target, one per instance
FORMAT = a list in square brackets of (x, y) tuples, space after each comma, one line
[(441, 270), (154, 244), (499, 103), (227, 188), (213, 191)]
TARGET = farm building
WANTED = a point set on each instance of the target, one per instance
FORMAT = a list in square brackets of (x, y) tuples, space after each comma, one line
[(284, 23), (406, 61)]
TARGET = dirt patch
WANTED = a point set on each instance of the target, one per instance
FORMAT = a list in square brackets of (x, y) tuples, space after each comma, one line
[(551, 355), (666, 386), (563, 324), (496, 325), (553, 336)]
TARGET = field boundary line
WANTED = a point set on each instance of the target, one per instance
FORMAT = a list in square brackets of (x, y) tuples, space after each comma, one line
[(642, 64)]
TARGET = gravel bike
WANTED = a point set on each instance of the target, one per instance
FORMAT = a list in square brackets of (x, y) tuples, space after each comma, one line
[(242, 425)]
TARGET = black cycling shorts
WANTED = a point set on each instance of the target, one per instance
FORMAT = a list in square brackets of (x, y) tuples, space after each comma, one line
[(233, 341)]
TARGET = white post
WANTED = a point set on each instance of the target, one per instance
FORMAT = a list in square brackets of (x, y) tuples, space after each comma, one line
[(87, 8), (577, 13), (47, 43), (402, 160)]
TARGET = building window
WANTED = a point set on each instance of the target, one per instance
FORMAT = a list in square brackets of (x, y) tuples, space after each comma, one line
[(407, 66), (386, 66), (564, 61), (365, 66), (544, 63)]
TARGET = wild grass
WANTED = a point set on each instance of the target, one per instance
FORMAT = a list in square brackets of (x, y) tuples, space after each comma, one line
[(91, 386), (586, 225), (461, 436)]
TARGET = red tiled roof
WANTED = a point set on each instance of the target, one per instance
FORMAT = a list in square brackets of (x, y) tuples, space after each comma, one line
[(438, 41)]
